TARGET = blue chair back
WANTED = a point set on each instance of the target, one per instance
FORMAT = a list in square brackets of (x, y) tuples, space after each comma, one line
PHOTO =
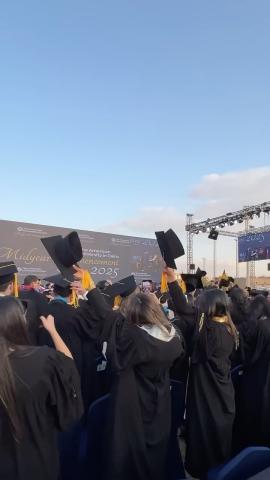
[(250, 461), (69, 446), (91, 452)]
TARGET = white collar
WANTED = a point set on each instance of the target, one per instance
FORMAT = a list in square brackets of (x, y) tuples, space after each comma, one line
[(159, 333)]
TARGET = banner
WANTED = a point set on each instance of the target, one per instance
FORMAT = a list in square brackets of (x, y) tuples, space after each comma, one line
[(106, 256), (254, 246)]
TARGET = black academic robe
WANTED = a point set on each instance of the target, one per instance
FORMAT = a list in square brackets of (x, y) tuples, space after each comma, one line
[(83, 344), (36, 306), (210, 408), (48, 399), (63, 314), (139, 425), (253, 415)]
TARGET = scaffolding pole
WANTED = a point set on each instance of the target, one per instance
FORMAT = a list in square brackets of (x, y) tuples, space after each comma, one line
[(189, 220)]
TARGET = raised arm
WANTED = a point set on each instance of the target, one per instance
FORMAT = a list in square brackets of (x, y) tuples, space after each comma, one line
[(179, 299)]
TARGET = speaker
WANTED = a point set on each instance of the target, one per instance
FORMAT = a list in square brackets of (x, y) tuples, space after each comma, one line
[(192, 266), (268, 266)]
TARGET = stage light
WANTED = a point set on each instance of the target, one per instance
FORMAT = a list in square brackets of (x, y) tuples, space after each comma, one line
[(231, 222), (240, 220), (235, 222), (213, 235), (222, 225)]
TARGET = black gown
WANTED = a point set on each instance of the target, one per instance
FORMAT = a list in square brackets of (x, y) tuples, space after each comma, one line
[(82, 340), (253, 414), (210, 406), (139, 426), (48, 399)]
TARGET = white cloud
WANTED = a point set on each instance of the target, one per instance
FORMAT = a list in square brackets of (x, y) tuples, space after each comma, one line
[(221, 193), (148, 220), (214, 195)]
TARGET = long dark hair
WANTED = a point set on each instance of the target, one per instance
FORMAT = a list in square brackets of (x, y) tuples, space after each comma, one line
[(13, 333), (214, 303)]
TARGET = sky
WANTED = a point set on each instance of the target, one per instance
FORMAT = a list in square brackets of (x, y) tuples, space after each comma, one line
[(123, 115)]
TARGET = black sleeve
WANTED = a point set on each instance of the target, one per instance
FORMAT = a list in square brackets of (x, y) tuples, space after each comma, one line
[(123, 339), (186, 314), (91, 315), (65, 391), (179, 300)]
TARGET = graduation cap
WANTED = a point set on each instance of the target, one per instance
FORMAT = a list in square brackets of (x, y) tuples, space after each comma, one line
[(123, 288), (58, 280), (61, 286), (170, 247), (65, 252), (201, 273), (193, 281), (7, 272)]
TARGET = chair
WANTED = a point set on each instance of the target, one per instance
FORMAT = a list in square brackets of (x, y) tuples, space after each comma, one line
[(175, 468), (250, 461), (236, 375), (92, 442), (69, 446)]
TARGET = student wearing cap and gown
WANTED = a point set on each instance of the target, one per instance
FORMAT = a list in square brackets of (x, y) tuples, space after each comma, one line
[(71, 326), (210, 394), (8, 271), (139, 412)]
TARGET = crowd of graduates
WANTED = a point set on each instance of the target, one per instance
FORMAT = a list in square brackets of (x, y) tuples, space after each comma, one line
[(62, 348)]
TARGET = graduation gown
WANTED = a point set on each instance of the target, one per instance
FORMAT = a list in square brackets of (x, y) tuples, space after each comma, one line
[(210, 408), (139, 425), (82, 340), (253, 414), (63, 314), (48, 399)]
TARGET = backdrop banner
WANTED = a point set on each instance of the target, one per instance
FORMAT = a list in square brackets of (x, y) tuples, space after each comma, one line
[(106, 256)]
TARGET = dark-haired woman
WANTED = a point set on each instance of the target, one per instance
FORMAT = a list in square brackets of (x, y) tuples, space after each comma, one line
[(142, 346), (39, 394), (211, 338)]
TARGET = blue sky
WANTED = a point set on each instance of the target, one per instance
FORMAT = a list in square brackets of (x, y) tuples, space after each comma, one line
[(109, 107)]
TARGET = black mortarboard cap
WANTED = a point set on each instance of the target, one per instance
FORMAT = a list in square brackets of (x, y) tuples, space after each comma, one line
[(65, 252), (58, 280), (200, 272), (123, 287), (192, 281), (170, 247), (7, 271)]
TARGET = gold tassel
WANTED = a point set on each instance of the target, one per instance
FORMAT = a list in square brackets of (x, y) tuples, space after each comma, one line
[(86, 280), (117, 301), (181, 283), (163, 283), (16, 286), (74, 299)]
